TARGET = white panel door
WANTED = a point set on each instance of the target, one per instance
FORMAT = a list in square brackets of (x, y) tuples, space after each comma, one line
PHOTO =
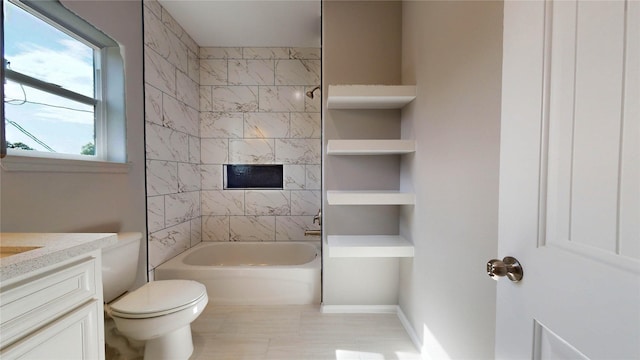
[(569, 180)]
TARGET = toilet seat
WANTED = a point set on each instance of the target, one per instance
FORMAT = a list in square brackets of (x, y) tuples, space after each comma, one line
[(158, 298)]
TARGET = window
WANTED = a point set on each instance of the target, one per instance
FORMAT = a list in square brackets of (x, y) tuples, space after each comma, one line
[(63, 85)]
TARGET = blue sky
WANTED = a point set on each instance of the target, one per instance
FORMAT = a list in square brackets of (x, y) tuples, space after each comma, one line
[(32, 47)]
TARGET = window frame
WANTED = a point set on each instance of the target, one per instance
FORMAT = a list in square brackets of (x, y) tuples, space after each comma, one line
[(108, 101)]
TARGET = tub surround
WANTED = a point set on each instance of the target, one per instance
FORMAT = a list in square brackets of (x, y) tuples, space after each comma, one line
[(210, 106), (51, 248)]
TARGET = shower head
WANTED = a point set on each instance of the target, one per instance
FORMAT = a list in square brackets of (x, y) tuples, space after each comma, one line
[(310, 92)]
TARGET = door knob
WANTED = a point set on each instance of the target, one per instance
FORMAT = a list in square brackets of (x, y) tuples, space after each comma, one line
[(509, 267)]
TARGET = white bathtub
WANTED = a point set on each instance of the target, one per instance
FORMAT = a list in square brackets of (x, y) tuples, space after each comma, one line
[(250, 273)]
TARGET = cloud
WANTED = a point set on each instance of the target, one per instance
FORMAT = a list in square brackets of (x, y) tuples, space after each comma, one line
[(70, 67)]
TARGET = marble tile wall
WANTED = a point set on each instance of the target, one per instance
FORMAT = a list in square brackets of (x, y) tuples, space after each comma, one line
[(253, 110), (172, 118), (205, 107)]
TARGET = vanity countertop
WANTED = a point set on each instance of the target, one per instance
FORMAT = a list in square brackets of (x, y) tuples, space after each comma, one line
[(48, 249)]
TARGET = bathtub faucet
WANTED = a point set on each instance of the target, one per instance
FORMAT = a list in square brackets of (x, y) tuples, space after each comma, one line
[(318, 217)]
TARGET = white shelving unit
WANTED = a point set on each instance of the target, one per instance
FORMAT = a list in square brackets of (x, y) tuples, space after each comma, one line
[(370, 147), (356, 97), (369, 246), (370, 198), (370, 96)]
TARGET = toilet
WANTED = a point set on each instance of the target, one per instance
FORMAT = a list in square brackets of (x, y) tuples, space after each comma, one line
[(159, 313)]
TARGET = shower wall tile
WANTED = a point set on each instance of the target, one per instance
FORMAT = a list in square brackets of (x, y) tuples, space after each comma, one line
[(180, 208), (252, 228), (188, 177), (234, 98), (251, 72), (221, 125), (298, 151), (167, 243), (306, 125), (155, 213), (294, 177), (222, 202), (196, 231), (206, 103), (305, 202), (166, 144), (194, 150), (282, 98), (179, 116), (193, 66), (215, 228), (266, 202), (214, 151), (152, 105), (314, 177), (172, 121), (265, 53), (220, 53), (253, 111), (211, 177), (266, 125), (305, 53), (189, 90), (297, 72), (213, 72), (251, 151), (171, 24), (162, 177), (154, 6), (158, 72), (292, 228)]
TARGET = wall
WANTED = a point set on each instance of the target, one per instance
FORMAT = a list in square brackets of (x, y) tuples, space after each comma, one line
[(361, 45), (254, 111), (172, 135), (90, 202), (453, 52)]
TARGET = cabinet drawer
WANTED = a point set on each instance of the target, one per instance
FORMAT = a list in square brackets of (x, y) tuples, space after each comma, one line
[(73, 336), (40, 299)]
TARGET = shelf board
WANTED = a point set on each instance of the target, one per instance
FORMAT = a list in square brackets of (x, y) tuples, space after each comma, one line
[(370, 147), (370, 198), (369, 246), (370, 96)]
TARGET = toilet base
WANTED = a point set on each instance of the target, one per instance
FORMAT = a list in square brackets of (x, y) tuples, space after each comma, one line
[(172, 346)]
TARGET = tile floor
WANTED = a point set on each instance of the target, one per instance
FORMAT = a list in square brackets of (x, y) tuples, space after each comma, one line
[(300, 332)]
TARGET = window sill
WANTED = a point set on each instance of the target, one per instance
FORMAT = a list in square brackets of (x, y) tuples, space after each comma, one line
[(40, 164)]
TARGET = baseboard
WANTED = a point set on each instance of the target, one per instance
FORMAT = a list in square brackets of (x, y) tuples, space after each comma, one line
[(359, 309), (410, 331)]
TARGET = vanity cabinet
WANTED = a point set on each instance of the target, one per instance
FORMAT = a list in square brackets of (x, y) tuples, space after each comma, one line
[(368, 97), (55, 312)]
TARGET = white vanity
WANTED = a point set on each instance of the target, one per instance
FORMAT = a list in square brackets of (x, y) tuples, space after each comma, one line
[(51, 303)]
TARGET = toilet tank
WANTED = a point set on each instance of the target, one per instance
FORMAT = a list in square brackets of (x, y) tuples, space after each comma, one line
[(120, 265)]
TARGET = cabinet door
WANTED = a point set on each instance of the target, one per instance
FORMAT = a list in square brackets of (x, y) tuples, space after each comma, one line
[(73, 336)]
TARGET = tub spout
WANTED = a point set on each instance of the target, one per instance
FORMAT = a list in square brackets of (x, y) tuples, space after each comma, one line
[(312, 232)]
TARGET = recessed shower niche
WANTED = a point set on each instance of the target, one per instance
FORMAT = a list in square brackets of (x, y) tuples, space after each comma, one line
[(260, 177)]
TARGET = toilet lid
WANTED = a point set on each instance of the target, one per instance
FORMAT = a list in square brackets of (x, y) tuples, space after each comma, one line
[(159, 298)]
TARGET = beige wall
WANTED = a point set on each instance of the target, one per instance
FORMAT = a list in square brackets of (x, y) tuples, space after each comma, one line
[(90, 202), (453, 52), (362, 45)]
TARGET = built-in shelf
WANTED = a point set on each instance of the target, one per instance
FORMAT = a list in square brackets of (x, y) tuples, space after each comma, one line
[(370, 198), (369, 246), (370, 96), (370, 147)]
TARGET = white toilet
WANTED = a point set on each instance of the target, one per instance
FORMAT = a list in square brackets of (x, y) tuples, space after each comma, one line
[(159, 313)]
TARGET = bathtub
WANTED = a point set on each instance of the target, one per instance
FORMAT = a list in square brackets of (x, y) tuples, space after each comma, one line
[(250, 273)]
